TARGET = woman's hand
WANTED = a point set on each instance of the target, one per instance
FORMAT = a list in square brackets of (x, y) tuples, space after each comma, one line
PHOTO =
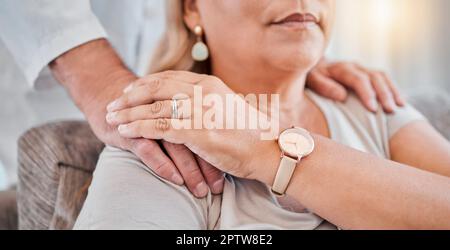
[(372, 87), (146, 111)]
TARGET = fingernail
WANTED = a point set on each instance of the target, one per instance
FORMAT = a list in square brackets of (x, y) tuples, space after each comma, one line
[(112, 106), (111, 116), (177, 179), (401, 101), (373, 105), (201, 190), (217, 187), (340, 95), (128, 89)]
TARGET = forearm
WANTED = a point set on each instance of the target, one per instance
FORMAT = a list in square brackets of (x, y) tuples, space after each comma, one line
[(93, 75), (356, 190)]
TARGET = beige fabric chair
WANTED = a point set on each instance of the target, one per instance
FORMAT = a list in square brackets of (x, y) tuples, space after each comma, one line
[(57, 160)]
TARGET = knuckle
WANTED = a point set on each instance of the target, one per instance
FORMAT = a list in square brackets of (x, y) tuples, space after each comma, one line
[(162, 168), (361, 80), (365, 81), (154, 85), (162, 125), (156, 108), (193, 171)]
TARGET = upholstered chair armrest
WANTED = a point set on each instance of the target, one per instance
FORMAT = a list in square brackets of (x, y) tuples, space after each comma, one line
[(56, 162)]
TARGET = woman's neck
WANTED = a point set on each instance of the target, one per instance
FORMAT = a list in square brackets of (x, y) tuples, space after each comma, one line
[(295, 108), (289, 86)]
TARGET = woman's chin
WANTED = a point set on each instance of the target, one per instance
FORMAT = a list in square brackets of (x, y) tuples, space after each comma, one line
[(303, 53), (296, 61)]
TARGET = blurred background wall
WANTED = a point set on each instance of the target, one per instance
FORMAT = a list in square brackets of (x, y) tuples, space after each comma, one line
[(409, 39)]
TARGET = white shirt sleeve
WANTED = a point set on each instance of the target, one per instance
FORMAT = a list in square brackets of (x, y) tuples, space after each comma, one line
[(38, 31)]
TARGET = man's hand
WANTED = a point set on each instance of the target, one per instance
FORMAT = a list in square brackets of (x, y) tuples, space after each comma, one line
[(372, 87), (94, 76)]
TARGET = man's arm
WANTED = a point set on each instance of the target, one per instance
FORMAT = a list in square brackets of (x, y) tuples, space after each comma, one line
[(67, 32), (36, 32), (94, 76)]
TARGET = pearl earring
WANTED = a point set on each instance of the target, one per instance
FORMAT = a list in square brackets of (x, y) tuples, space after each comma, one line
[(200, 51)]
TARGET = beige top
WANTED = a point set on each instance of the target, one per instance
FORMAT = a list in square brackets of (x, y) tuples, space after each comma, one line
[(251, 205)]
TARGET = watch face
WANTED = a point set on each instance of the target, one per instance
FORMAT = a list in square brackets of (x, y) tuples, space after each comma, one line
[(296, 142)]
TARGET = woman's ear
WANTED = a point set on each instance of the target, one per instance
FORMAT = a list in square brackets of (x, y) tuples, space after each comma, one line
[(191, 14)]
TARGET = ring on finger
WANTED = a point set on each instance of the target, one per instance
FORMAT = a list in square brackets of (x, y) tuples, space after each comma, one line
[(175, 109)]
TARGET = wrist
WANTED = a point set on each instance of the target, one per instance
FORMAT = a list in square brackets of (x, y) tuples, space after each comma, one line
[(281, 158), (266, 161)]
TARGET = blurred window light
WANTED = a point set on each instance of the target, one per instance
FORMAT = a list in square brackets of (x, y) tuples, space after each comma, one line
[(383, 13), (406, 38)]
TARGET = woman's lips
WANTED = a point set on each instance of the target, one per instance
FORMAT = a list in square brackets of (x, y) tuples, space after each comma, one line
[(297, 20)]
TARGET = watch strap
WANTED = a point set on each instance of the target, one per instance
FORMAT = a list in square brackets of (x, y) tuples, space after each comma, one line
[(284, 175)]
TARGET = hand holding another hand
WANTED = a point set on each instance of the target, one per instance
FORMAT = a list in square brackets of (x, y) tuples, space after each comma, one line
[(146, 110)]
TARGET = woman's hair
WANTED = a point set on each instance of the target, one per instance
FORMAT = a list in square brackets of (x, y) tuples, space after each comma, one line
[(174, 49)]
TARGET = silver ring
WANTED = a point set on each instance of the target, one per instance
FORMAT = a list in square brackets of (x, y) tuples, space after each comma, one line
[(174, 109)]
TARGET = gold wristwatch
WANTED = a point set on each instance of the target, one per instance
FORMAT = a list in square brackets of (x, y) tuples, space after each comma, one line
[(295, 144)]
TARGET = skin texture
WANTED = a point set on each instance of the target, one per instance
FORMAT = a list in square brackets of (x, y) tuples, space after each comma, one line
[(410, 191), (94, 75)]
